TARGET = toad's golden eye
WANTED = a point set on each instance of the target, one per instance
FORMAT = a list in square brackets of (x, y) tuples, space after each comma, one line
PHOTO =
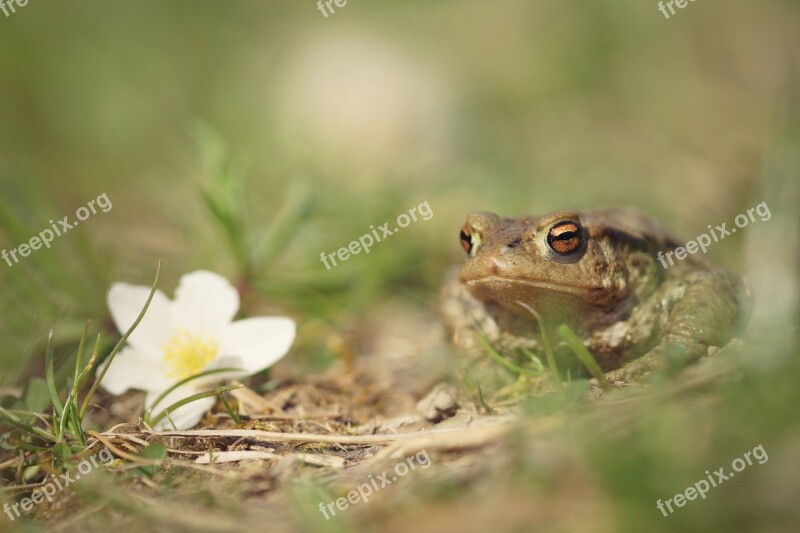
[(466, 239), (565, 237)]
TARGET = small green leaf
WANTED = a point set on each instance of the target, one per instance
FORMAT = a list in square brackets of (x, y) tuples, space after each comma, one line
[(30, 472), (37, 395), (62, 452), (154, 452)]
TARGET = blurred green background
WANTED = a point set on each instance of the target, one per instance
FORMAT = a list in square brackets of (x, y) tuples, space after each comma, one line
[(518, 107), (333, 124)]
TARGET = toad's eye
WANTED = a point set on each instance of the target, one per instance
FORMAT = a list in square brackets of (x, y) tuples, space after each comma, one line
[(565, 237), (469, 240)]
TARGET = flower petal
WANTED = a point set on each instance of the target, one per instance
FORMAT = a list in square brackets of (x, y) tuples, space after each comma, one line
[(125, 301), (186, 416), (132, 369), (254, 344), (205, 303)]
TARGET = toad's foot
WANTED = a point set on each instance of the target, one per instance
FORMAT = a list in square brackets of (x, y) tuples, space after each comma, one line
[(666, 358)]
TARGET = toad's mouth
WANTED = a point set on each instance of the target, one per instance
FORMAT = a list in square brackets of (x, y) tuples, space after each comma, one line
[(499, 282), (497, 287)]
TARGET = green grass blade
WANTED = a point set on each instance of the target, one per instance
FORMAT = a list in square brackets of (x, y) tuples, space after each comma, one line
[(69, 403), (548, 348), (79, 356), (184, 381), (502, 361), (51, 384), (583, 354), (193, 398), (535, 359), (13, 420), (482, 400), (119, 344), (62, 420), (89, 366), (75, 423), (234, 416)]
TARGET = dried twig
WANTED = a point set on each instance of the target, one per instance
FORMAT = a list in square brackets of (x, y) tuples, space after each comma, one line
[(272, 436)]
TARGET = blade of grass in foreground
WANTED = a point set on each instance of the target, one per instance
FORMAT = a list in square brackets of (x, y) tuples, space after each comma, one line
[(164, 394), (190, 399), (233, 414), (119, 344), (70, 404), (502, 361), (15, 421), (548, 348), (583, 355), (51, 385)]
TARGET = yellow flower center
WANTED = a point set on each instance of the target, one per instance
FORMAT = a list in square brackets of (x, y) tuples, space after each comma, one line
[(186, 354)]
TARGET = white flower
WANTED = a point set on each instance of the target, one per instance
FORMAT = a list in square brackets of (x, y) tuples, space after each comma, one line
[(191, 334)]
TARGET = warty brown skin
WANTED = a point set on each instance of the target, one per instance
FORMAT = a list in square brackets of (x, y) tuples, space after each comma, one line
[(597, 272)]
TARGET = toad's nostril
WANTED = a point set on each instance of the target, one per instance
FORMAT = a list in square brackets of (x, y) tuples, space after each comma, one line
[(513, 244)]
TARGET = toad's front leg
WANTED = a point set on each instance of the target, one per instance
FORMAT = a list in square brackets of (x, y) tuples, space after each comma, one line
[(711, 306)]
